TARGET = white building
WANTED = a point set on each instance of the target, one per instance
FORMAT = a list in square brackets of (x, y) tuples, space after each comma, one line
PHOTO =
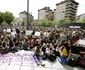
[(82, 16), (45, 13), (23, 17)]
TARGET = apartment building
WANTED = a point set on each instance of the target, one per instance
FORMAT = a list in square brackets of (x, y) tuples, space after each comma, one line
[(45, 13), (66, 9), (82, 16), (23, 17)]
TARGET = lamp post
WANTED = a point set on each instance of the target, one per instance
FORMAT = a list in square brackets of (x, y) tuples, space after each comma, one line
[(28, 23)]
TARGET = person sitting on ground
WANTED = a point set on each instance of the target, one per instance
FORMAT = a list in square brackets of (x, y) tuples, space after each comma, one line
[(38, 56), (43, 48), (64, 53), (4, 49), (50, 52)]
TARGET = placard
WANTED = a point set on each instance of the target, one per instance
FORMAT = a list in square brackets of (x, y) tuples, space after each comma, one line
[(74, 26), (37, 33), (29, 32), (81, 42), (46, 34), (13, 33), (4, 30), (8, 30)]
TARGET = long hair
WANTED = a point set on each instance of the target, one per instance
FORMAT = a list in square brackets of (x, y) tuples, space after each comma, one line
[(67, 47), (37, 49)]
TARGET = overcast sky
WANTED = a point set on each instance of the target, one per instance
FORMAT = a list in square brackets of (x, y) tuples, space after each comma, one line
[(16, 6)]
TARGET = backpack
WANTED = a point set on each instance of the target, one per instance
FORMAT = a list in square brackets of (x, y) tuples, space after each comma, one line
[(52, 58), (57, 53), (44, 57), (74, 60)]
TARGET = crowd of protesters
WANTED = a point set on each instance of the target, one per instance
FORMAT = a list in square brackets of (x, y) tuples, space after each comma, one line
[(50, 44)]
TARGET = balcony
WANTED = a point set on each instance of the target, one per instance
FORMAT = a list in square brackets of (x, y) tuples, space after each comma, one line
[(70, 7), (68, 15), (76, 6), (69, 4), (70, 12)]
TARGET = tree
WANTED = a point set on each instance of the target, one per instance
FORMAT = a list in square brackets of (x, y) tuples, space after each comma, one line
[(4, 23), (49, 23), (33, 23), (81, 21), (43, 22), (23, 23), (8, 17), (64, 21), (1, 18), (54, 23)]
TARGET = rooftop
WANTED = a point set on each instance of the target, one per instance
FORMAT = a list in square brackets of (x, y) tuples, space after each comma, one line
[(45, 8), (25, 12), (68, 1)]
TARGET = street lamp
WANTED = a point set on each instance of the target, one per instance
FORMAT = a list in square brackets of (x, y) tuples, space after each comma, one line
[(28, 23)]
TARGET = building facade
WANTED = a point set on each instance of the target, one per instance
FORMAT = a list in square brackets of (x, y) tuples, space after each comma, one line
[(82, 16), (66, 9), (23, 17), (16, 21), (45, 13)]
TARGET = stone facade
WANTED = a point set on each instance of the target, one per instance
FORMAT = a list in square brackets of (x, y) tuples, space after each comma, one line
[(59, 12), (66, 9), (23, 17), (45, 13)]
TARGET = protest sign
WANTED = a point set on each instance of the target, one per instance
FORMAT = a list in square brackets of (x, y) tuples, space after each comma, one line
[(81, 42), (4, 30), (8, 30), (46, 34), (13, 33), (37, 33), (29, 32), (17, 59)]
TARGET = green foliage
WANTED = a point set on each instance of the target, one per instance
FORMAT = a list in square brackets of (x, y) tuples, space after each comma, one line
[(33, 23), (43, 22), (6, 16), (22, 23), (46, 23), (53, 23), (81, 21), (64, 21), (49, 23), (1, 18), (4, 23), (56, 23)]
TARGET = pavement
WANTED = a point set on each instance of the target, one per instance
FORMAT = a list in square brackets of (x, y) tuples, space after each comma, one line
[(16, 64)]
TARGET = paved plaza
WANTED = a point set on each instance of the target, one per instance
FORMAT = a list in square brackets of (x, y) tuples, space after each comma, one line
[(31, 65)]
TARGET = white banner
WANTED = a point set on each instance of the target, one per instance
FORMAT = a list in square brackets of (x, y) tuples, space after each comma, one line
[(74, 26), (46, 34), (81, 42), (8, 30), (29, 32), (37, 33), (13, 33)]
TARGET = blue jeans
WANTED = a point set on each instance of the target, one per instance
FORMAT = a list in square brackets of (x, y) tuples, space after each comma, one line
[(63, 59), (38, 58)]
